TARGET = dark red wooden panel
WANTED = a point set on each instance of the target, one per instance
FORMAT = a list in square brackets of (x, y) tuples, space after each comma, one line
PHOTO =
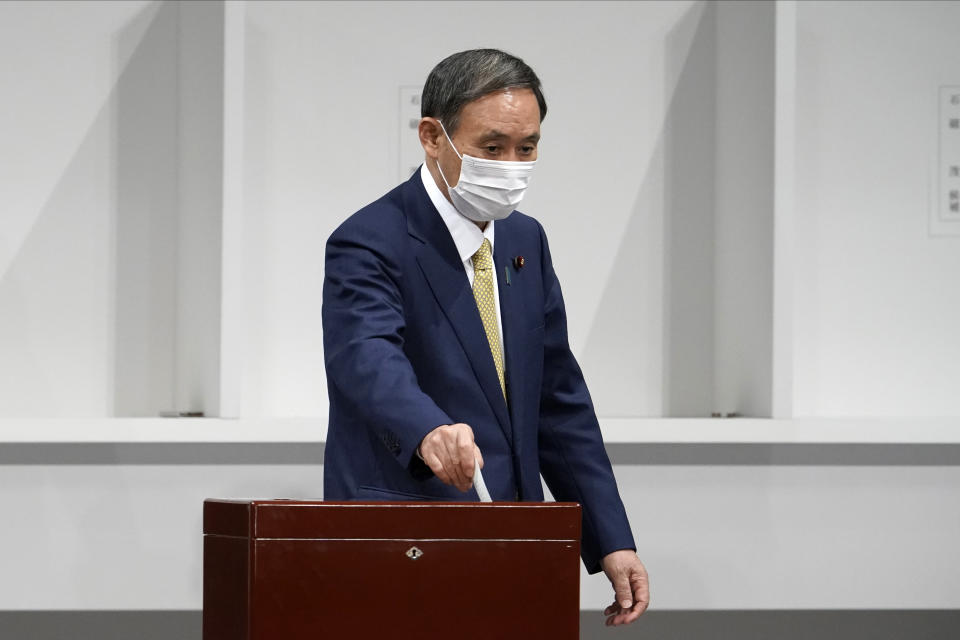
[(227, 517), (308, 589), (523, 520), (226, 587), (283, 569)]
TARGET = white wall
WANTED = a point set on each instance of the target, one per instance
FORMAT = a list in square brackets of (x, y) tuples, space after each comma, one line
[(97, 250), (877, 303), (668, 119), (104, 536), (321, 141), (110, 233), (57, 179), (118, 219)]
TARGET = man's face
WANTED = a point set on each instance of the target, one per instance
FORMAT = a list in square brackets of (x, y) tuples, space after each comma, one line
[(500, 126)]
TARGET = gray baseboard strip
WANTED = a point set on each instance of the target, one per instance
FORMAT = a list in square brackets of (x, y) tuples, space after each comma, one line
[(310, 453), (780, 625), (661, 625)]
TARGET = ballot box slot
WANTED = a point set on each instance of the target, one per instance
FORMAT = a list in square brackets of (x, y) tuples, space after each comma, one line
[(494, 521), (416, 539)]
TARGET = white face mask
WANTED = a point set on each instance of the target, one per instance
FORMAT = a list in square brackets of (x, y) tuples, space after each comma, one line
[(487, 189)]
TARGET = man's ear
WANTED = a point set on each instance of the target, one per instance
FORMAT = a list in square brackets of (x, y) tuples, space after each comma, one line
[(430, 132)]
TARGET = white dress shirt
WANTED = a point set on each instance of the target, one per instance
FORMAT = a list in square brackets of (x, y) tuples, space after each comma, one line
[(467, 236)]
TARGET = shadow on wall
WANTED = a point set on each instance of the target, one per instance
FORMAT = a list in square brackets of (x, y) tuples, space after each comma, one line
[(170, 119), (90, 289), (665, 257), (145, 240), (91, 305)]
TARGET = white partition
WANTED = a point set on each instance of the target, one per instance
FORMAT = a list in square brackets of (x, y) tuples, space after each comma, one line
[(59, 174), (876, 305), (321, 142), (230, 141), (112, 225), (648, 115)]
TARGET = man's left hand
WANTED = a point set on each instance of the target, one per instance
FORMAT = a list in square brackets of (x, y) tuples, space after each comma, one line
[(631, 587)]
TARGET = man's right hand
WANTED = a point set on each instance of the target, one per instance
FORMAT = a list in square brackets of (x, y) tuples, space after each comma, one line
[(449, 451)]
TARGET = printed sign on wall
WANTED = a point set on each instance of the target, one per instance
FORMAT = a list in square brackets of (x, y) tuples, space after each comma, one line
[(411, 153), (945, 218)]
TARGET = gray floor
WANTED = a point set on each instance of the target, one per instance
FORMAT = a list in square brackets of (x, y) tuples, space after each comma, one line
[(781, 625), (662, 625)]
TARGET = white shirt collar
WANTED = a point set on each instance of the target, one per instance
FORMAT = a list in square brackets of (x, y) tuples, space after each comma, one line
[(466, 235)]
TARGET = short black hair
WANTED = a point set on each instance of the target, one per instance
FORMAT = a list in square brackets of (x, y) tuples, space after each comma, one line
[(466, 76)]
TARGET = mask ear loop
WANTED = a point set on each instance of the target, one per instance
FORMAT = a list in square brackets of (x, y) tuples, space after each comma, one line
[(444, 129)]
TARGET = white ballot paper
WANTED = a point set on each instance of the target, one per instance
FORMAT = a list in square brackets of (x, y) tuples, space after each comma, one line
[(478, 483)]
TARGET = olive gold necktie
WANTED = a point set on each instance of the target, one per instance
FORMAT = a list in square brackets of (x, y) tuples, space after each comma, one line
[(483, 294)]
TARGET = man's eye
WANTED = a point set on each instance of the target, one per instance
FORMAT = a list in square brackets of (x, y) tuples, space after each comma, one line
[(492, 149), (526, 150)]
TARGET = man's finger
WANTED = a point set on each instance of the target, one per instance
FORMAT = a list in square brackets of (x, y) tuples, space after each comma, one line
[(464, 452), (629, 616), (613, 620), (465, 455), (452, 464), (621, 587), (618, 616), (433, 461), (641, 593), (478, 456), (641, 600), (463, 448)]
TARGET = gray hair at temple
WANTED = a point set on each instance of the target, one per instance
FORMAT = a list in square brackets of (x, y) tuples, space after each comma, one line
[(466, 76)]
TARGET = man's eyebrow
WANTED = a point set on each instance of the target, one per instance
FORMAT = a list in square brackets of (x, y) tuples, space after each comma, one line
[(493, 133)]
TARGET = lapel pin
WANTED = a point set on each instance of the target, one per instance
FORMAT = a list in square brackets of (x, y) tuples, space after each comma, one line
[(518, 263)]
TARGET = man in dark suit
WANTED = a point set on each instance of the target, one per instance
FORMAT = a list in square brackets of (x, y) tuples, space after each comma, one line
[(445, 333)]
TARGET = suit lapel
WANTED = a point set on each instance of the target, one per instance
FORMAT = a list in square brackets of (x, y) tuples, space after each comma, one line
[(441, 266), (511, 314)]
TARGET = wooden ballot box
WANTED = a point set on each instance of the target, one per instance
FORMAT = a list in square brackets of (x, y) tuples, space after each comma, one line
[(290, 570)]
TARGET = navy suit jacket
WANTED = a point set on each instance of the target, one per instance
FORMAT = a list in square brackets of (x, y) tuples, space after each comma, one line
[(406, 352)]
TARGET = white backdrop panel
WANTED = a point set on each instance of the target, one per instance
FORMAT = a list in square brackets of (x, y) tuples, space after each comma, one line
[(321, 141), (877, 305)]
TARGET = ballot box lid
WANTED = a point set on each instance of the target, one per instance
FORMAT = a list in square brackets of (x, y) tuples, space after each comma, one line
[(314, 519)]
